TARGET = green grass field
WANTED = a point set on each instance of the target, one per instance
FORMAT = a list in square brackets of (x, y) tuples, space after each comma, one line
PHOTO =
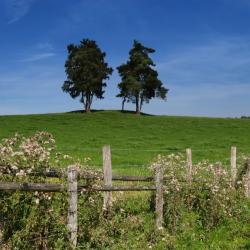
[(135, 140)]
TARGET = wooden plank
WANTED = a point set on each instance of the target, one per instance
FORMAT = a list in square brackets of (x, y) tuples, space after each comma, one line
[(121, 178), (85, 188), (2, 234), (43, 187), (189, 164), (107, 174), (133, 178), (159, 196), (247, 179), (72, 212), (233, 165)]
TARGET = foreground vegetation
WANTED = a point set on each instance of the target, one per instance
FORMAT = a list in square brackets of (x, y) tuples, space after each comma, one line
[(207, 213)]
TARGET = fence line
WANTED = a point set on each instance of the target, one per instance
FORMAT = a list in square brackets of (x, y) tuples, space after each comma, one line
[(83, 176), (73, 187), (151, 150)]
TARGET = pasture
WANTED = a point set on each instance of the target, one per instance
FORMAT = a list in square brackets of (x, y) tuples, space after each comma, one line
[(135, 140)]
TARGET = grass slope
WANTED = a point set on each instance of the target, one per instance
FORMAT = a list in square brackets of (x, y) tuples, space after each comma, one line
[(134, 140)]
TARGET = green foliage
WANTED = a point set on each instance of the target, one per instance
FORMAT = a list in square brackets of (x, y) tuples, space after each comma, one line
[(210, 193), (30, 220), (197, 214), (140, 81), (200, 212), (86, 71), (33, 220)]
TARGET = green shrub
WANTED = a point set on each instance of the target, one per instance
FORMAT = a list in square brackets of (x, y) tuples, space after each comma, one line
[(206, 211)]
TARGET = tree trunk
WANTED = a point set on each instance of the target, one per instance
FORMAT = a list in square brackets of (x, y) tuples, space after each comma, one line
[(88, 103), (141, 103), (123, 102), (87, 109), (137, 102)]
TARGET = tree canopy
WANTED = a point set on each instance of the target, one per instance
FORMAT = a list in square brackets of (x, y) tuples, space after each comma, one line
[(86, 72), (139, 81)]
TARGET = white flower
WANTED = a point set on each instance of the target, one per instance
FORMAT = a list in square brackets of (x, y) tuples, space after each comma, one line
[(21, 173), (14, 168)]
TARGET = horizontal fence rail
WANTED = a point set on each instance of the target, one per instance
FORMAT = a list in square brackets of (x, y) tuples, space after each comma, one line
[(49, 187), (42, 187)]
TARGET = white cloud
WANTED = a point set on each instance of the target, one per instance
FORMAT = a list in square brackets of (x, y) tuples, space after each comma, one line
[(220, 61), (17, 9), (38, 57), (37, 52)]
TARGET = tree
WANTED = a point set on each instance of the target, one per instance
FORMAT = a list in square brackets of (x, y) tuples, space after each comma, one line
[(86, 72), (139, 81)]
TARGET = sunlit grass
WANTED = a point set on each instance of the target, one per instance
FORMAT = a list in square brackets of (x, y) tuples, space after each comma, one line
[(135, 140)]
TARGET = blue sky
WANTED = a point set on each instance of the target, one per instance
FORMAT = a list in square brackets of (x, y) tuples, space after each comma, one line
[(202, 52)]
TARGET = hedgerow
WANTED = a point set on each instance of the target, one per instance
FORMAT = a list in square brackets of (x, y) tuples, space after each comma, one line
[(198, 212)]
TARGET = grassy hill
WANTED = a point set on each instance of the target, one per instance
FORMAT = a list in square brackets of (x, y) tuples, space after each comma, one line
[(134, 140)]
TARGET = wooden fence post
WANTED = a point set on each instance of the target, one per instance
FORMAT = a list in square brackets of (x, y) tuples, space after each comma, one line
[(247, 180), (233, 165), (1, 233), (159, 196), (107, 171), (189, 164), (72, 212)]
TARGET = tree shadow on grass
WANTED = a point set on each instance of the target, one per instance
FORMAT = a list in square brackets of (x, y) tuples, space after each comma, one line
[(133, 112), (102, 110), (83, 111)]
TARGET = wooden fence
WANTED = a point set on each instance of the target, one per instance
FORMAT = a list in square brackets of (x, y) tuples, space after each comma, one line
[(73, 187)]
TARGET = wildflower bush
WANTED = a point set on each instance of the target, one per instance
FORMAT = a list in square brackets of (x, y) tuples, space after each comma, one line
[(197, 210), (34, 220), (203, 200)]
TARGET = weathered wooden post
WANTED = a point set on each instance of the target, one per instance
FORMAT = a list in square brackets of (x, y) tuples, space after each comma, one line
[(159, 196), (107, 171), (233, 165), (247, 180), (1, 232), (189, 164), (72, 212)]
